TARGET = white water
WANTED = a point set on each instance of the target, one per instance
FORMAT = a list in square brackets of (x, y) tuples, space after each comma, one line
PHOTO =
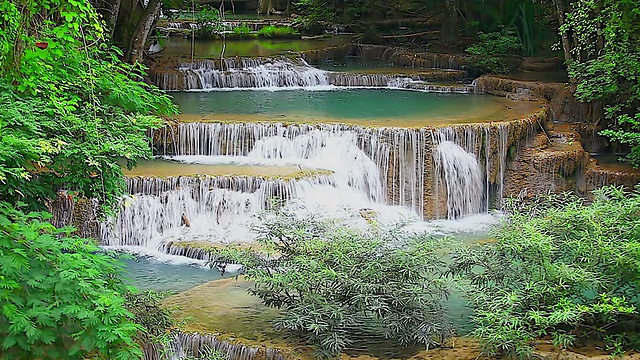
[(461, 175), (373, 170), (283, 73)]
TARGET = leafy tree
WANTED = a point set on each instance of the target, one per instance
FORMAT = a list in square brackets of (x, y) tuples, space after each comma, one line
[(604, 60), (329, 278), (60, 298), (492, 48), (147, 310), (208, 21), (70, 111), (559, 268)]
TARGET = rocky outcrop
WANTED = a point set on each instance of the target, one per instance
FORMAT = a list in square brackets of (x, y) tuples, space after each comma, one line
[(69, 209), (563, 105), (558, 162), (597, 176), (191, 345), (550, 164), (397, 56)]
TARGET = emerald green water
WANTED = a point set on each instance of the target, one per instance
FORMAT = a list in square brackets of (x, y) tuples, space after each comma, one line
[(251, 47), (150, 274), (370, 107)]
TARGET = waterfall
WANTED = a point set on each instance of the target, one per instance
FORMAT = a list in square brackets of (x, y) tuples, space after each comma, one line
[(242, 73), (402, 158), (345, 170), (218, 209), (185, 346), (274, 73), (462, 178)]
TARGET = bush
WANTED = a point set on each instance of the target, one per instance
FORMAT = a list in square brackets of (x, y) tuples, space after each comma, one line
[(491, 49), (208, 22), (60, 297), (148, 312), (314, 13), (273, 31), (242, 31), (329, 279), (560, 268)]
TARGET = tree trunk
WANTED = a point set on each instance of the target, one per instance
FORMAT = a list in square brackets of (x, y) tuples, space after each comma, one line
[(135, 51), (265, 7), (450, 32), (566, 42), (113, 19)]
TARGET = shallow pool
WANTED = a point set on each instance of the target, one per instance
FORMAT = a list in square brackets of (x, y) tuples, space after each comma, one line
[(369, 107), (216, 48), (151, 274), (165, 168)]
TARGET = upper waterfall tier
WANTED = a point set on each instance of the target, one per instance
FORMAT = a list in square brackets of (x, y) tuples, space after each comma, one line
[(444, 172), (282, 72)]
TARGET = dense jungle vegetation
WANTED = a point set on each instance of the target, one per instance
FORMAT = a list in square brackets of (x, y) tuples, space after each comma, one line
[(73, 104)]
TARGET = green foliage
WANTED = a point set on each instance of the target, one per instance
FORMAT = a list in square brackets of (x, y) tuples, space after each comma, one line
[(606, 64), (314, 14), (70, 111), (42, 151), (491, 49), (505, 42), (209, 354), (205, 353), (59, 297), (148, 312), (560, 268), (208, 22), (242, 31), (330, 279), (273, 31)]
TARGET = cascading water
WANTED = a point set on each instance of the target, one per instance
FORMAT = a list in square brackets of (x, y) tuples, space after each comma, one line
[(394, 173), (215, 209), (404, 157), (208, 209), (462, 178), (255, 73), (275, 73), (359, 155)]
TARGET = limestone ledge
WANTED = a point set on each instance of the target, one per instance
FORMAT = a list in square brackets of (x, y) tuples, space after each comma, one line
[(597, 176), (405, 57), (304, 174), (400, 57), (168, 136), (564, 107), (201, 250), (171, 73), (195, 343), (556, 162)]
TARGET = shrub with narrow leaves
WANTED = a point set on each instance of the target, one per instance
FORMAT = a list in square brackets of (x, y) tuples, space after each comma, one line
[(560, 268), (330, 279)]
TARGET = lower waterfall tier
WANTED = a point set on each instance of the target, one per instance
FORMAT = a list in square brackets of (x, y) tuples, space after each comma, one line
[(381, 175)]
